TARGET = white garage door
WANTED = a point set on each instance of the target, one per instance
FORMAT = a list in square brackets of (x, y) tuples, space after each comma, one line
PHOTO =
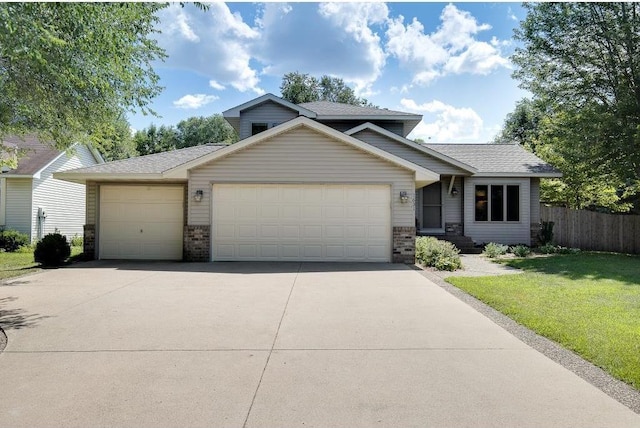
[(301, 222), (141, 222)]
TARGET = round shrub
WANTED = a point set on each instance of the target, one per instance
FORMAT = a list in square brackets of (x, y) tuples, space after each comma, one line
[(521, 250), (52, 250), (493, 250), (11, 240), (441, 255)]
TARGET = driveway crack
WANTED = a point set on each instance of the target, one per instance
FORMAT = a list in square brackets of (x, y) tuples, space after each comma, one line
[(273, 344)]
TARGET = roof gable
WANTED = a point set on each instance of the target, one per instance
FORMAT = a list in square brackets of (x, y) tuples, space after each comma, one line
[(235, 111), (426, 150)]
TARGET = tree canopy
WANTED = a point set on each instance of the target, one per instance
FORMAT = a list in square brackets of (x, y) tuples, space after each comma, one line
[(193, 131), (581, 62), (68, 71), (299, 88)]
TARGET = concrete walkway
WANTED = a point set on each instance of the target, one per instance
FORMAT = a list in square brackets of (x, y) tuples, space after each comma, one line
[(272, 345)]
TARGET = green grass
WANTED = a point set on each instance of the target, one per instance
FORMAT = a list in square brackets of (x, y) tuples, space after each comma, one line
[(16, 264), (588, 302)]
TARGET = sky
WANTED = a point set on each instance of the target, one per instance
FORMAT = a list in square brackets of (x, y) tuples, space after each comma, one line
[(449, 62)]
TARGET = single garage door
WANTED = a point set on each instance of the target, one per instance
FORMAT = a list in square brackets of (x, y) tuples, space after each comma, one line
[(141, 222), (301, 222)]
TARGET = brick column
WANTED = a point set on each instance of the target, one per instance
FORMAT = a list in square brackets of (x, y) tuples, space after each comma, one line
[(89, 240), (197, 242), (404, 244)]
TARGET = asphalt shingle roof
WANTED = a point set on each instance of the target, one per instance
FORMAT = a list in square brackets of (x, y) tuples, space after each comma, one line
[(495, 158), (328, 108), (36, 156), (151, 164)]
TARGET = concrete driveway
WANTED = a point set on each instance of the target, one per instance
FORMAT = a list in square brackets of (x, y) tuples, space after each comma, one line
[(271, 345)]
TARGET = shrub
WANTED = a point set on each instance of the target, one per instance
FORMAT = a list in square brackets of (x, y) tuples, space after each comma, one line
[(493, 250), (52, 250), (565, 250), (77, 241), (547, 248), (521, 250), (11, 240), (441, 255), (546, 233), (25, 249)]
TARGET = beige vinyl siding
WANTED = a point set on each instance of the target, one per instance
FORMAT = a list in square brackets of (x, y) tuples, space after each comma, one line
[(452, 204), (535, 200), (268, 112), (18, 208), (345, 125), (92, 203), (501, 232), (63, 201), (301, 156), (408, 153)]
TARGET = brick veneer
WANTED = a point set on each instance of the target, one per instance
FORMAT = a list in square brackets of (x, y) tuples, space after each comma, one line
[(404, 244), (453, 229), (89, 241), (197, 242)]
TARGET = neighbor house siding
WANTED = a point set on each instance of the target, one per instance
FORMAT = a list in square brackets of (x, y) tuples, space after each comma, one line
[(18, 208), (408, 153), (63, 201), (345, 125), (535, 200), (500, 232), (268, 112), (301, 156)]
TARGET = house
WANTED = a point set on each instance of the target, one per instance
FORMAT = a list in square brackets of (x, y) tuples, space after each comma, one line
[(318, 181), (31, 200)]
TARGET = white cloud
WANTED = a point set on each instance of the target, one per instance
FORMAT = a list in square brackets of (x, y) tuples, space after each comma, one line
[(448, 124), (216, 43), (512, 15), (452, 48), (337, 39), (194, 101), (215, 85)]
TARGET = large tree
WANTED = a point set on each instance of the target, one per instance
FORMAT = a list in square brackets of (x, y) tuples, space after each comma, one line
[(69, 69), (582, 61), (299, 88)]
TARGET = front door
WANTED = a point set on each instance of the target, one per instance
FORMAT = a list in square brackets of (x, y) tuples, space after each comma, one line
[(432, 206)]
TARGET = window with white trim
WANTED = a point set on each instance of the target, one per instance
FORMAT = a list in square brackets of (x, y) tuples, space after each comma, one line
[(497, 202)]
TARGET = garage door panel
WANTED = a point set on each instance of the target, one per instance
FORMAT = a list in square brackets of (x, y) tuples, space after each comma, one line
[(141, 222), (301, 222)]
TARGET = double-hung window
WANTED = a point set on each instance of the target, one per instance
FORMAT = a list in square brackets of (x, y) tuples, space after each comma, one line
[(497, 202)]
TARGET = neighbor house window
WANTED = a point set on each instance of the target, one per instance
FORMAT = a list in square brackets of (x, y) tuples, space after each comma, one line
[(258, 127), (497, 202)]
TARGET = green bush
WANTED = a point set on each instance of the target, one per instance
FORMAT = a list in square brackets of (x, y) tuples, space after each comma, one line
[(441, 255), (493, 250), (546, 233), (565, 250), (11, 240), (25, 249), (547, 248), (520, 250), (77, 241), (52, 250)]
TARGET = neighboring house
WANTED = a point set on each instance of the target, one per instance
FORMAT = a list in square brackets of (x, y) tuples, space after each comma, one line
[(319, 181), (31, 200)]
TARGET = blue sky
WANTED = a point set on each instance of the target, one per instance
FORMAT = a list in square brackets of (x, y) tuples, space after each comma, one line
[(446, 61)]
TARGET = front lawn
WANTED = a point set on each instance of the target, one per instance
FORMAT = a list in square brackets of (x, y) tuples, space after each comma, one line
[(588, 302), (16, 264)]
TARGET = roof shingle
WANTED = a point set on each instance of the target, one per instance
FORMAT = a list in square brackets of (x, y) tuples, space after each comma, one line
[(36, 154), (328, 108)]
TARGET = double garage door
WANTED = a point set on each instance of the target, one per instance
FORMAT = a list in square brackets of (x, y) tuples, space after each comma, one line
[(307, 222), (297, 222)]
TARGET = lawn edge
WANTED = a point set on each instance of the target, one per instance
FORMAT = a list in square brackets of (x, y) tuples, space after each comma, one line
[(614, 388)]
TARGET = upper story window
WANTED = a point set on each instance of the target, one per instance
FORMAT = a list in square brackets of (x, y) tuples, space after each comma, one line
[(258, 127), (497, 202)]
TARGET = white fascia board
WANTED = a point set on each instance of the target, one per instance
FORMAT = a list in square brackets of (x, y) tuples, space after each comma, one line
[(82, 178), (421, 173), (519, 174), (235, 111), (412, 144)]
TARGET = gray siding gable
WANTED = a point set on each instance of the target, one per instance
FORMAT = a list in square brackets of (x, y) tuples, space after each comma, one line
[(408, 153), (268, 112)]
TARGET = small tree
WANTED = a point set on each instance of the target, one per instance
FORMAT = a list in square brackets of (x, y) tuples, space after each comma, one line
[(52, 250)]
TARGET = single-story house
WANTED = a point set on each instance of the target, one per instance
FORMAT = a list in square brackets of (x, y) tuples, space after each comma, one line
[(318, 181), (31, 200)]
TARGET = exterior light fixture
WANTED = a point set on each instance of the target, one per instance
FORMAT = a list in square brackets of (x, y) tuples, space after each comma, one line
[(404, 197), (198, 195), (454, 192)]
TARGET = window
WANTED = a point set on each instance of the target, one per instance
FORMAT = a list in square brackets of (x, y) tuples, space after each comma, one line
[(257, 128), (497, 202)]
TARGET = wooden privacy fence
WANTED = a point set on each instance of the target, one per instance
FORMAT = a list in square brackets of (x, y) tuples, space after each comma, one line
[(590, 230)]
